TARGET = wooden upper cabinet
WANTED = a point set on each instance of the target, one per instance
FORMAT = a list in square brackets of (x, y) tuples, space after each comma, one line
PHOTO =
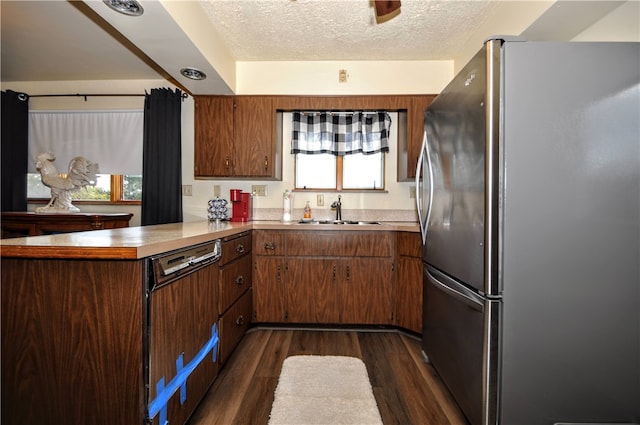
[(409, 146), (235, 137), (213, 145), (255, 154)]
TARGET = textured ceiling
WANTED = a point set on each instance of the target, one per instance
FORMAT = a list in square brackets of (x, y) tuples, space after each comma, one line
[(58, 40), (308, 30)]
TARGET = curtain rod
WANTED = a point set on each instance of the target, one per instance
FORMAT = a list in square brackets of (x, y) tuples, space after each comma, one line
[(183, 95)]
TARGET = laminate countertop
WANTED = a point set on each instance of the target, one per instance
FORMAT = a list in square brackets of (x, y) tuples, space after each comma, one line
[(144, 241)]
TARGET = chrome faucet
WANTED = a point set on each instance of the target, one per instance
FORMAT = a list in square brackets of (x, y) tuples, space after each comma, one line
[(337, 205)]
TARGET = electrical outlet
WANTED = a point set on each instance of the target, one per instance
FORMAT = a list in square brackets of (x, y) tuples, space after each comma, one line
[(216, 190), (187, 190), (412, 192), (320, 200), (259, 190)]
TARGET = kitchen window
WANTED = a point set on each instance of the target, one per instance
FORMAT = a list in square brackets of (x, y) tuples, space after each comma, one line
[(112, 138), (340, 150)]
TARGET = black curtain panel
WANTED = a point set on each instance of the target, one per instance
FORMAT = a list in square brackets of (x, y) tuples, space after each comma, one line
[(14, 150), (162, 158)]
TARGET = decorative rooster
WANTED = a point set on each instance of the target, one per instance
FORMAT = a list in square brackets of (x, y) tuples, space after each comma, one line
[(82, 172)]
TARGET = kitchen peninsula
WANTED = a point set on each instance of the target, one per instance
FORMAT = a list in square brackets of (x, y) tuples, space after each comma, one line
[(76, 313)]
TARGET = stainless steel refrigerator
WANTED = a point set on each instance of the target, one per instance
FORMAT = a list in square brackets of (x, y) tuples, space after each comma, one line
[(528, 193)]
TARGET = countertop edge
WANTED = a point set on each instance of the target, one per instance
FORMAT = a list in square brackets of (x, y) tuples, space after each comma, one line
[(134, 243)]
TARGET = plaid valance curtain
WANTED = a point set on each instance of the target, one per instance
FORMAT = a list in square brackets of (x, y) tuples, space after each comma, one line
[(340, 133)]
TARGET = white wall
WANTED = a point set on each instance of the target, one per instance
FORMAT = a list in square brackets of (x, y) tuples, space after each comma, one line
[(622, 24)]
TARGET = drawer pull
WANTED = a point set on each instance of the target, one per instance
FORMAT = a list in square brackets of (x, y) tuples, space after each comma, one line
[(240, 248), (266, 163), (240, 320), (270, 245), (240, 280)]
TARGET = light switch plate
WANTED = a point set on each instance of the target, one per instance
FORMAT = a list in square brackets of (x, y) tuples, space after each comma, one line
[(412, 192), (187, 190)]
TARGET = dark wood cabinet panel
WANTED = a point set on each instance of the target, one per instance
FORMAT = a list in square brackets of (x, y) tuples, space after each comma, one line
[(255, 145), (235, 137), (339, 243), (268, 242), (415, 133), (367, 291), (408, 300), (182, 317), (72, 333), (269, 297), (329, 277), (214, 137), (314, 290)]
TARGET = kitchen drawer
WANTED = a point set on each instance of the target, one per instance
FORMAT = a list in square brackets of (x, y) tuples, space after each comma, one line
[(234, 247), (409, 244), (234, 279), (234, 324), (268, 242)]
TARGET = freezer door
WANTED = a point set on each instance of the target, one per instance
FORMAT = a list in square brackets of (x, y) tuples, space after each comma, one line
[(455, 134), (460, 339)]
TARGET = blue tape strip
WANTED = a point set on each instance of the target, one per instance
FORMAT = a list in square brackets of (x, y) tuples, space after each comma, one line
[(183, 387), (163, 410), (159, 404)]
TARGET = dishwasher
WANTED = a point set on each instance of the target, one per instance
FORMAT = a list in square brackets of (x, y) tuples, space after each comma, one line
[(181, 338)]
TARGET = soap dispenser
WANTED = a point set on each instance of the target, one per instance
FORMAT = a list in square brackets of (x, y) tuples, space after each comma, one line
[(307, 211)]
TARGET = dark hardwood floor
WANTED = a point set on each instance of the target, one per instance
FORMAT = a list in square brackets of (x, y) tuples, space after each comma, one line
[(407, 390)]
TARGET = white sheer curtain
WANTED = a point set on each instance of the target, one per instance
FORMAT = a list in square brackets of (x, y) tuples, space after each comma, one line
[(112, 138)]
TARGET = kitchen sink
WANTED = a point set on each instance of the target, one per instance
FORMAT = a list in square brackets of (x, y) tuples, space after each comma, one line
[(339, 222)]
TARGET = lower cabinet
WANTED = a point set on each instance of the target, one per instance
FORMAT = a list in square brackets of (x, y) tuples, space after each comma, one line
[(327, 277), (408, 300), (235, 294)]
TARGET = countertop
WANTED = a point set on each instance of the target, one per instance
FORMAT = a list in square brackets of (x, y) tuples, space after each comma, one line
[(144, 241)]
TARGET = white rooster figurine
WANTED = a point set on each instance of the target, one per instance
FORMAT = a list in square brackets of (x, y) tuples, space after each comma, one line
[(82, 172)]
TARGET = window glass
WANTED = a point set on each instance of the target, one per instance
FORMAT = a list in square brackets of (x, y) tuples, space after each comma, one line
[(315, 171), (363, 171)]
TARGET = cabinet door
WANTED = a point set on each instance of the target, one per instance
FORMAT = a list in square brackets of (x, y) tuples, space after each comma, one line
[(254, 137), (269, 299), (213, 138), (415, 131), (408, 299), (313, 290), (367, 291), (408, 303)]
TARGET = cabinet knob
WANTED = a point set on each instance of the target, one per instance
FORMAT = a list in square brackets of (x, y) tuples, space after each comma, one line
[(227, 162), (240, 280), (240, 248), (270, 245), (240, 320), (266, 163)]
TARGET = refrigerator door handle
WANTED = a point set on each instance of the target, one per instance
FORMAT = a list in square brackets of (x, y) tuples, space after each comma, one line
[(424, 152), (455, 290)]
